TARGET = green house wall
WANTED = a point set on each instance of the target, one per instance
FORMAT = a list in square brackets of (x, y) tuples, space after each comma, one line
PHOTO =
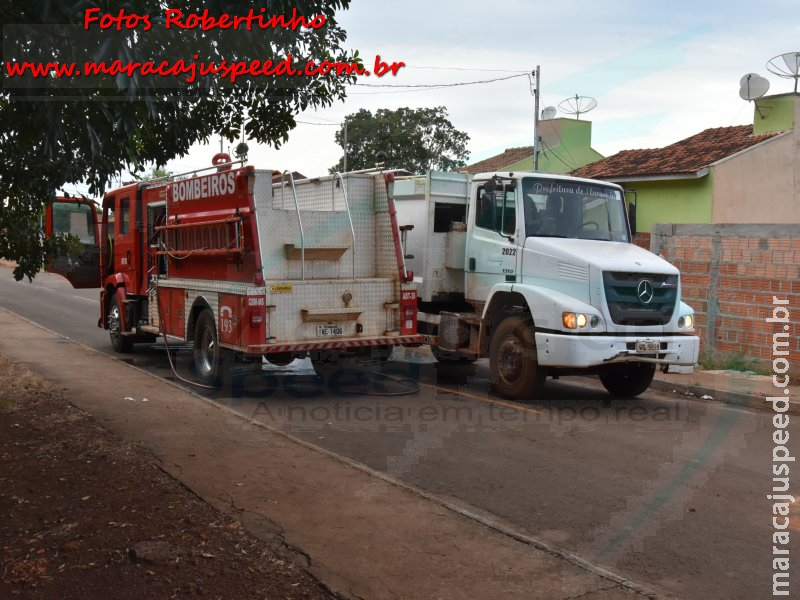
[(774, 113), (566, 146), (671, 201)]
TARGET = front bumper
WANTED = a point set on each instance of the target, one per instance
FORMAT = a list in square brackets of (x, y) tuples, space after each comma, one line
[(559, 350)]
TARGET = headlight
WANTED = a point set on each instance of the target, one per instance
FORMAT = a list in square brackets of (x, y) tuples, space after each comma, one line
[(577, 320), (686, 322)]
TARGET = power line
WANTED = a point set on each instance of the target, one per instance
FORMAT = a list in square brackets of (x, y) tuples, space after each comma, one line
[(467, 69), (433, 86), (320, 124), (569, 166), (324, 119)]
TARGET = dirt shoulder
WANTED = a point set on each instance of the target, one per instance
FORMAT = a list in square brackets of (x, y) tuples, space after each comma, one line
[(77, 503)]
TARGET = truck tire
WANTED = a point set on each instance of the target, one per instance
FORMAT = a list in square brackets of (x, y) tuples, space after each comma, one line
[(513, 364), (450, 358), (627, 380), (280, 359), (326, 362), (207, 353), (121, 343), (374, 356)]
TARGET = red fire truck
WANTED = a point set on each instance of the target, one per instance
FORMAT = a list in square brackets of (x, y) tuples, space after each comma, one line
[(241, 266)]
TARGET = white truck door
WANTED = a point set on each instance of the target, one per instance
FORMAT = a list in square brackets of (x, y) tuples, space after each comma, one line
[(491, 251)]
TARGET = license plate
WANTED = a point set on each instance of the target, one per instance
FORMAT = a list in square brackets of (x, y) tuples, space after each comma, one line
[(648, 346), (329, 330)]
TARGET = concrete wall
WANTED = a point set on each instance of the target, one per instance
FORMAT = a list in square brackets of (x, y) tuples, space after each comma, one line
[(761, 184), (729, 275)]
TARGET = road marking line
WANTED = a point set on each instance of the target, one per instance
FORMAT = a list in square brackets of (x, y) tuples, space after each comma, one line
[(482, 398)]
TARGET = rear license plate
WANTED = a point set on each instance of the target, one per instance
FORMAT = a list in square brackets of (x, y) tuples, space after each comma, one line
[(648, 346), (329, 330)]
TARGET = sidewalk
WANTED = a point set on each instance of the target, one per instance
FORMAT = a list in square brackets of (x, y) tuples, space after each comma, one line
[(731, 387), (363, 534)]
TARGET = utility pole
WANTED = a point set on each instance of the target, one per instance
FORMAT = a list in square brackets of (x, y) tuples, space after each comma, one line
[(344, 145), (537, 82)]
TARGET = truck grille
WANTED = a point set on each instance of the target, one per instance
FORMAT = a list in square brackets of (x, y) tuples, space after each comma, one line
[(657, 302)]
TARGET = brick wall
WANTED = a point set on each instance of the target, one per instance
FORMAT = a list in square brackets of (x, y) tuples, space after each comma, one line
[(729, 275), (642, 239)]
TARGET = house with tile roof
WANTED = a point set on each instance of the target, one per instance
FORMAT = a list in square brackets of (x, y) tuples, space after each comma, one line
[(740, 174), (566, 145)]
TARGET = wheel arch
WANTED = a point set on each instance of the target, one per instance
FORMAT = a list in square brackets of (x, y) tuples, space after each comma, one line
[(200, 304), (503, 301), (110, 292)]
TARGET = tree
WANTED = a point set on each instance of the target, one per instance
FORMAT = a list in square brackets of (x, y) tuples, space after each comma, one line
[(414, 139), (65, 130), (157, 173)]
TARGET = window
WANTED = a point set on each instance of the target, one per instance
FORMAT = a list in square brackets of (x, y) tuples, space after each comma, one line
[(75, 219), (573, 209), (496, 209), (124, 216)]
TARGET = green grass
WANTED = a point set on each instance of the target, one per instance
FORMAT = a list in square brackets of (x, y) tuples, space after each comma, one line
[(731, 362)]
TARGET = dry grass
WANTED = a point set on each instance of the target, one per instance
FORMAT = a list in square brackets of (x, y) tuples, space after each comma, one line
[(19, 387)]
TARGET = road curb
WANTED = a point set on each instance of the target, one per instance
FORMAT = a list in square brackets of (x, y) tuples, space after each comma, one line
[(739, 399)]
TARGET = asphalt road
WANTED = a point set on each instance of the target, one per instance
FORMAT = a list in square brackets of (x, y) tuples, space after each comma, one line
[(667, 492)]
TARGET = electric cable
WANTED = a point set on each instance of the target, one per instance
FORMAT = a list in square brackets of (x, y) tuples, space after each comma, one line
[(433, 86)]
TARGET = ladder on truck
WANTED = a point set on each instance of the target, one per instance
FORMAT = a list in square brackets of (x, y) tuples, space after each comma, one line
[(209, 238)]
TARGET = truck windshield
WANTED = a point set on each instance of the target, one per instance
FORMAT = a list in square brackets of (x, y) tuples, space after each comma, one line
[(573, 209)]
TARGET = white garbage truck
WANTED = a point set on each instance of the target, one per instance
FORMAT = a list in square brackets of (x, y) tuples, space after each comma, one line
[(539, 273)]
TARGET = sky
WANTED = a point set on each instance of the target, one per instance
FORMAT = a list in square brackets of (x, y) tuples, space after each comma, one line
[(660, 71)]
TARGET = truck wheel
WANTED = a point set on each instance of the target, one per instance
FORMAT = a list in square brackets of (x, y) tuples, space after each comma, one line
[(450, 358), (515, 370), (326, 362), (627, 380), (375, 356), (207, 352), (120, 343), (280, 359)]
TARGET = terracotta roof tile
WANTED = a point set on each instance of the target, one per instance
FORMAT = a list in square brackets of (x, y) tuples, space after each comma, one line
[(500, 161), (681, 158)]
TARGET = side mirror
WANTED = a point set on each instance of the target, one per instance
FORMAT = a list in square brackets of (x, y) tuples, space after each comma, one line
[(632, 217)]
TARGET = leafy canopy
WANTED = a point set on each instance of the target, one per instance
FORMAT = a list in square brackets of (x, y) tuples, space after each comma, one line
[(59, 131), (415, 139)]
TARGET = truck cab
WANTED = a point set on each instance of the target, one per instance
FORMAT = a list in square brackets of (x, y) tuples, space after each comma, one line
[(539, 274)]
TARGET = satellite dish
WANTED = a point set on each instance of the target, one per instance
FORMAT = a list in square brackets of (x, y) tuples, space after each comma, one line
[(548, 113), (578, 105), (752, 86), (786, 66), (241, 150)]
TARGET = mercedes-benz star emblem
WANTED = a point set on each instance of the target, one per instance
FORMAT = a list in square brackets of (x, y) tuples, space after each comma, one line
[(645, 291)]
